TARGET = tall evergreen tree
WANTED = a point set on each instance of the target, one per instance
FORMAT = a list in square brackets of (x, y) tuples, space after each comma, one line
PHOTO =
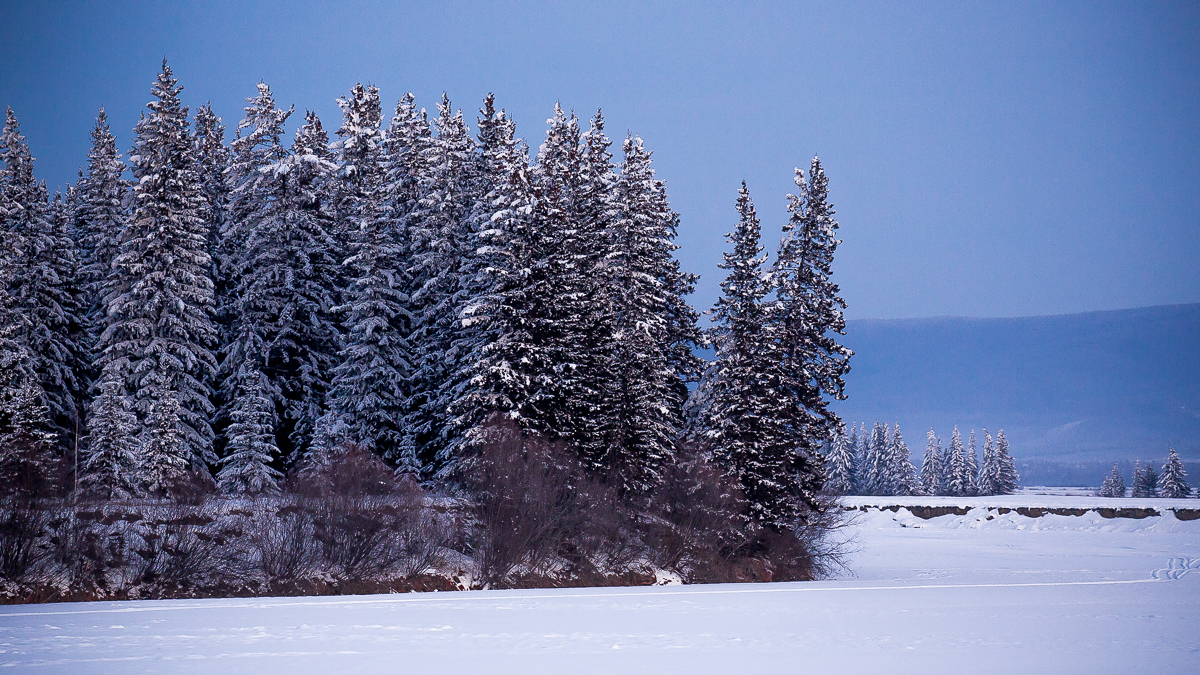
[(640, 409), (573, 293), (109, 469), (43, 286), (875, 468), (902, 474), (369, 396), (101, 216), (745, 405), (988, 468), (159, 296), (1145, 481), (440, 229), (213, 159), (1113, 485), (931, 465), (1150, 481), (839, 464), (1172, 483), (971, 462), (286, 277), (808, 310), (504, 369), (1006, 468), (958, 482)]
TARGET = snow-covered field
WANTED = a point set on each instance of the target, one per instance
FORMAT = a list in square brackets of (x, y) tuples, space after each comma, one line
[(952, 594)]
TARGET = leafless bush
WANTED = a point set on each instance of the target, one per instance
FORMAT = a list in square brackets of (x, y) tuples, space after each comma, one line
[(421, 536), (697, 516), (283, 537), (347, 470), (535, 508), (80, 546), (173, 547), (20, 529), (355, 535), (824, 534)]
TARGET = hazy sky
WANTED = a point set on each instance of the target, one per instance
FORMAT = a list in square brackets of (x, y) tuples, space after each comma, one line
[(986, 159)]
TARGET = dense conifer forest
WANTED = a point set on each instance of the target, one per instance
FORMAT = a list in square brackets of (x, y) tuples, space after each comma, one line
[(232, 312)]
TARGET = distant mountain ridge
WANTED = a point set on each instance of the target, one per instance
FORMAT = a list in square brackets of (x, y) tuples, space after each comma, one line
[(1072, 388)]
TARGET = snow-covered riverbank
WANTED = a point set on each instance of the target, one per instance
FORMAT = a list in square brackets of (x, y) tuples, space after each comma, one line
[(946, 594)]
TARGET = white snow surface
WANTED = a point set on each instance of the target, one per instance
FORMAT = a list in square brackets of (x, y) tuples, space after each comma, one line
[(953, 594)]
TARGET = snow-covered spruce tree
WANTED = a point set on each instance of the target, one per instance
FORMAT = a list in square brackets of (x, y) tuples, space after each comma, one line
[(571, 289), (28, 456), (1006, 469), (745, 411), (43, 288), (839, 464), (1136, 484), (931, 465), (903, 475), (640, 408), (368, 396), (1113, 485), (109, 467), (251, 450), (861, 453), (1145, 480), (875, 467), (440, 230), (213, 160), (971, 466), (1150, 481), (485, 260), (808, 311), (159, 297), (164, 459), (257, 145), (957, 482), (1172, 483), (101, 216), (286, 277), (505, 365), (986, 481)]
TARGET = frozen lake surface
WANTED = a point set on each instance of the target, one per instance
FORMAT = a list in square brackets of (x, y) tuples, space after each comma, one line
[(951, 594)]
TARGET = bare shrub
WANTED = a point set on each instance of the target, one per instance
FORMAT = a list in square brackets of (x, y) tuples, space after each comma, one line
[(282, 535), (356, 535), (420, 536), (524, 505), (346, 470), (824, 535), (173, 547), (20, 529), (80, 547), (697, 519)]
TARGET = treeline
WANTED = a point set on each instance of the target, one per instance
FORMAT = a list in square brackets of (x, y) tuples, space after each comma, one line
[(1170, 483), (240, 313), (879, 463)]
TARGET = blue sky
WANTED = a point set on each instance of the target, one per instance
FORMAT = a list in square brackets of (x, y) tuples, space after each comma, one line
[(986, 159)]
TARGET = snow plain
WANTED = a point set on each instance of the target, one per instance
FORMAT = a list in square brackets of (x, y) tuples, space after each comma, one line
[(952, 594)]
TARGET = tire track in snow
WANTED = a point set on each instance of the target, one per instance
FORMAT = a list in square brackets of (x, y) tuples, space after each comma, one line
[(1176, 568)]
